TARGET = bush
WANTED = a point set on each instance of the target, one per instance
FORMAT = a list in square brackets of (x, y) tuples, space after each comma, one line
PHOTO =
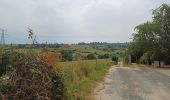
[(3, 82), (126, 58), (114, 58), (105, 56), (91, 56), (146, 57), (33, 77), (67, 55), (6, 61)]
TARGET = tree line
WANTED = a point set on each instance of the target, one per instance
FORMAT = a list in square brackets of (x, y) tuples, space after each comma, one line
[(96, 45)]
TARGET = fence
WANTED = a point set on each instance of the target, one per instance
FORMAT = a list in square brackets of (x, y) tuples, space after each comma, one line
[(160, 64)]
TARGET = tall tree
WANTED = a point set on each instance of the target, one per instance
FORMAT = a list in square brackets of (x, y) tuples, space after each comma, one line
[(153, 36), (161, 18)]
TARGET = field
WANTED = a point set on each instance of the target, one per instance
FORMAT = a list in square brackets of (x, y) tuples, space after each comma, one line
[(74, 80), (80, 76)]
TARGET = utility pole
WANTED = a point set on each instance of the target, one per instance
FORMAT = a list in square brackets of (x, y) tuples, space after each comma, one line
[(2, 36)]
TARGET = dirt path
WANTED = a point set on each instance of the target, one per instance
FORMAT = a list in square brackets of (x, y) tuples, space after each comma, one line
[(122, 83)]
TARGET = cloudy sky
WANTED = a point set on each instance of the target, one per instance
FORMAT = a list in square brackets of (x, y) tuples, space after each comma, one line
[(72, 21)]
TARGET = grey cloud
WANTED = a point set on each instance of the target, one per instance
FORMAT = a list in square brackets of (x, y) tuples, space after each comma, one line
[(73, 21)]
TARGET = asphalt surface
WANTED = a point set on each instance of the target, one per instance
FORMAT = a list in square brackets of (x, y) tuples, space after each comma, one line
[(122, 83)]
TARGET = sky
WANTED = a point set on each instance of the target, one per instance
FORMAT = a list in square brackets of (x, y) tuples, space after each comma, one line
[(73, 21)]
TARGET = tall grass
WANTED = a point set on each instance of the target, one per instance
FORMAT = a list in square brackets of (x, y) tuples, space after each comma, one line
[(80, 76)]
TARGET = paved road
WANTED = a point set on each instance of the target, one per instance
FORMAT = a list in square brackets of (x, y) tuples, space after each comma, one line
[(135, 84)]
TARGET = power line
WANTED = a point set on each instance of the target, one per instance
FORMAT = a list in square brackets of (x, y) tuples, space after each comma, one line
[(2, 42)]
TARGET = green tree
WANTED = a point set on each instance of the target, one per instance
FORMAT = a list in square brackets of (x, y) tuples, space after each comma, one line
[(161, 20), (151, 36), (67, 55), (32, 37)]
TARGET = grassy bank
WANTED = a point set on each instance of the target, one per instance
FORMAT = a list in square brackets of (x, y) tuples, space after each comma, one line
[(80, 76)]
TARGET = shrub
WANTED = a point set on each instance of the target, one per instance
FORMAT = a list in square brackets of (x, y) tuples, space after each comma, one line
[(114, 58), (67, 55), (91, 56), (146, 57), (33, 77), (126, 58), (6, 61), (103, 56)]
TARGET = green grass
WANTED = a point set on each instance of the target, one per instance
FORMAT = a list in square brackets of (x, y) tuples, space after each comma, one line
[(81, 76)]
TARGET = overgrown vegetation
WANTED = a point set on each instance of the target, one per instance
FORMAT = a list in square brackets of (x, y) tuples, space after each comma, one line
[(33, 76), (30, 75), (40, 75), (67, 55), (104, 56), (152, 39), (115, 59), (80, 76), (91, 56)]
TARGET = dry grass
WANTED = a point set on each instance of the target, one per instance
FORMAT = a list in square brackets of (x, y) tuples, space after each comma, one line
[(80, 76)]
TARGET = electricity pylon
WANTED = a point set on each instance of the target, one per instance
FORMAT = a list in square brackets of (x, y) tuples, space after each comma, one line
[(2, 42)]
